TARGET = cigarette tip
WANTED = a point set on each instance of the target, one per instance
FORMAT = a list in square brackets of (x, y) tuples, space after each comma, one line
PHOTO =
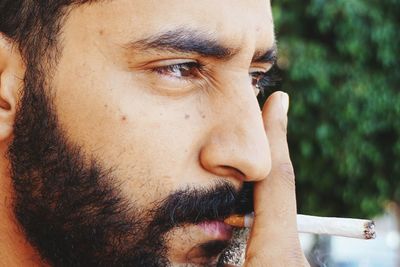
[(235, 220), (369, 231)]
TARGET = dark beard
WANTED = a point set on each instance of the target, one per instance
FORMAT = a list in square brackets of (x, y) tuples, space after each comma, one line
[(71, 208)]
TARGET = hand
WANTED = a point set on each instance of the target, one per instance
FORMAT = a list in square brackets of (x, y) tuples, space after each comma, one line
[(274, 239)]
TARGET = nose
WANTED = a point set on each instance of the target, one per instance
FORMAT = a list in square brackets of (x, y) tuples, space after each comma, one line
[(237, 145)]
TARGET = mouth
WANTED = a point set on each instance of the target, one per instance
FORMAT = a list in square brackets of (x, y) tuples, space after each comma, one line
[(216, 229)]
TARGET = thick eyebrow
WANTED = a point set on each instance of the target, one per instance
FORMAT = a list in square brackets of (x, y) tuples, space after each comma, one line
[(185, 41), (193, 41), (270, 56)]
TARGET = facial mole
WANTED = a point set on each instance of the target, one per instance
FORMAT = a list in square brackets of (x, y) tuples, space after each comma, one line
[(123, 118), (187, 116), (101, 32)]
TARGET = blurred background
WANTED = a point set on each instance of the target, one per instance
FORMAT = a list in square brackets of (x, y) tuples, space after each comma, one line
[(339, 62)]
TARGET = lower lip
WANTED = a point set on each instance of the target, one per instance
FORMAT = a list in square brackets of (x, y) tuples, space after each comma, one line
[(216, 229)]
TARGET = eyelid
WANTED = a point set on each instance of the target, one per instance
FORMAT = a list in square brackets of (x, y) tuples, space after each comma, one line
[(169, 62), (192, 65), (255, 70), (170, 84), (264, 68)]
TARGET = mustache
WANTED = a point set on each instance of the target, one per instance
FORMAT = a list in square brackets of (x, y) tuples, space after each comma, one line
[(192, 205)]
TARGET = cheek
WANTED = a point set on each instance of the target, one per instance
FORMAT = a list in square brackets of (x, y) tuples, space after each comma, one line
[(149, 143)]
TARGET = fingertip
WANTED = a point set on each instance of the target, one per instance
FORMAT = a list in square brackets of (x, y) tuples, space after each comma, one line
[(275, 114), (276, 105), (284, 102)]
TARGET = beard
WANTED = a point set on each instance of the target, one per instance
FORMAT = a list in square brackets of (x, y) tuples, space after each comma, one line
[(71, 208)]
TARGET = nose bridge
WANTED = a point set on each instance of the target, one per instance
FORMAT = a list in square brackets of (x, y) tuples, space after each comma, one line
[(241, 143), (244, 116), (247, 127)]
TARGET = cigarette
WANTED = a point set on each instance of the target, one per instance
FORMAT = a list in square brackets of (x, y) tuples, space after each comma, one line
[(346, 227)]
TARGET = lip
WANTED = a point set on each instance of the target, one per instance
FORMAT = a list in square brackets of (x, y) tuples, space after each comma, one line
[(216, 229)]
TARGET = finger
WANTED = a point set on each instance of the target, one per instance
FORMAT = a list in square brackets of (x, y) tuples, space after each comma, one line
[(274, 236), (276, 195)]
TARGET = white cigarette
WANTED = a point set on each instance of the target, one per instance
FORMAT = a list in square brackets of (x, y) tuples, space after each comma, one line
[(354, 228)]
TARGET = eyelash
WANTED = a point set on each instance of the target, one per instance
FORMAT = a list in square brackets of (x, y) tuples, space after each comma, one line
[(264, 80), (190, 66)]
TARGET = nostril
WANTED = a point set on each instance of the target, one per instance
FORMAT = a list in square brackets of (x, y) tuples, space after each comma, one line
[(234, 172)]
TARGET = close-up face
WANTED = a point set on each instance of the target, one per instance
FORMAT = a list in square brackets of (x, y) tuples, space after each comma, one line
[(158, 102)]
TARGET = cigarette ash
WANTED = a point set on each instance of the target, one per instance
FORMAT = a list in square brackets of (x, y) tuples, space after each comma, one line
[(234, 254), (369, 231), (319, 258)]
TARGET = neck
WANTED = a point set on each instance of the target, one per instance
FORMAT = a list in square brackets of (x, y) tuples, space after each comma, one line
[(15, 250)]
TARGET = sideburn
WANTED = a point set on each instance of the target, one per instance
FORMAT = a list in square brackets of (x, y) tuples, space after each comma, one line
[(70, 211)]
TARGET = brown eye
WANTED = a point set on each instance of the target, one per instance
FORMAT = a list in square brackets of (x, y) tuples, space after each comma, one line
[(261, 81), (256, 77), (183, 70)]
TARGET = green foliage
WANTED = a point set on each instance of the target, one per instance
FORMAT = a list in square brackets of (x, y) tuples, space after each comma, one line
[(339, 61)]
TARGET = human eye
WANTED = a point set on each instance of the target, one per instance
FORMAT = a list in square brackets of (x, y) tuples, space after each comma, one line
[(180, 70), (175, 76), (261, 80)]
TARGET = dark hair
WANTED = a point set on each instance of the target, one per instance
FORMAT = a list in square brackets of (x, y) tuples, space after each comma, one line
[(34, 25)]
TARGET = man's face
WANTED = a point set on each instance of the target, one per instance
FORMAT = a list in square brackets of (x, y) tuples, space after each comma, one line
[(158, 93)]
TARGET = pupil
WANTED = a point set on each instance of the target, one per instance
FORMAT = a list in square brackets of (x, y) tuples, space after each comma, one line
[(185, 70), (255, 80)]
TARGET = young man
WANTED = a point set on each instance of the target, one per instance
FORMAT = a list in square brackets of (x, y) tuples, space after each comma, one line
[(128, 128)]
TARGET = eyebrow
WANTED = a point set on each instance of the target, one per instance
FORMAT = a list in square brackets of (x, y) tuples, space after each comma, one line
[(193, 41), (270, 56)]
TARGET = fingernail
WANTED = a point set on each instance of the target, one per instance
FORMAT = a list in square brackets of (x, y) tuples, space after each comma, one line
[(285, 102)]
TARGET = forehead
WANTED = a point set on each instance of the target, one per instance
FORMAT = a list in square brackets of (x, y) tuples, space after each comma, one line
[(236, 23)]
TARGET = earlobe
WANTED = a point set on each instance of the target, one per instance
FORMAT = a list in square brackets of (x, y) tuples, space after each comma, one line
[(11, 81)]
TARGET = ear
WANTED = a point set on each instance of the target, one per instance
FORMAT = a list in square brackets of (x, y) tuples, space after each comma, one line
[(11, 82)]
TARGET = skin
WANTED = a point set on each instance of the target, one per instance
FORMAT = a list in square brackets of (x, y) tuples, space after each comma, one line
[(160, 133)]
